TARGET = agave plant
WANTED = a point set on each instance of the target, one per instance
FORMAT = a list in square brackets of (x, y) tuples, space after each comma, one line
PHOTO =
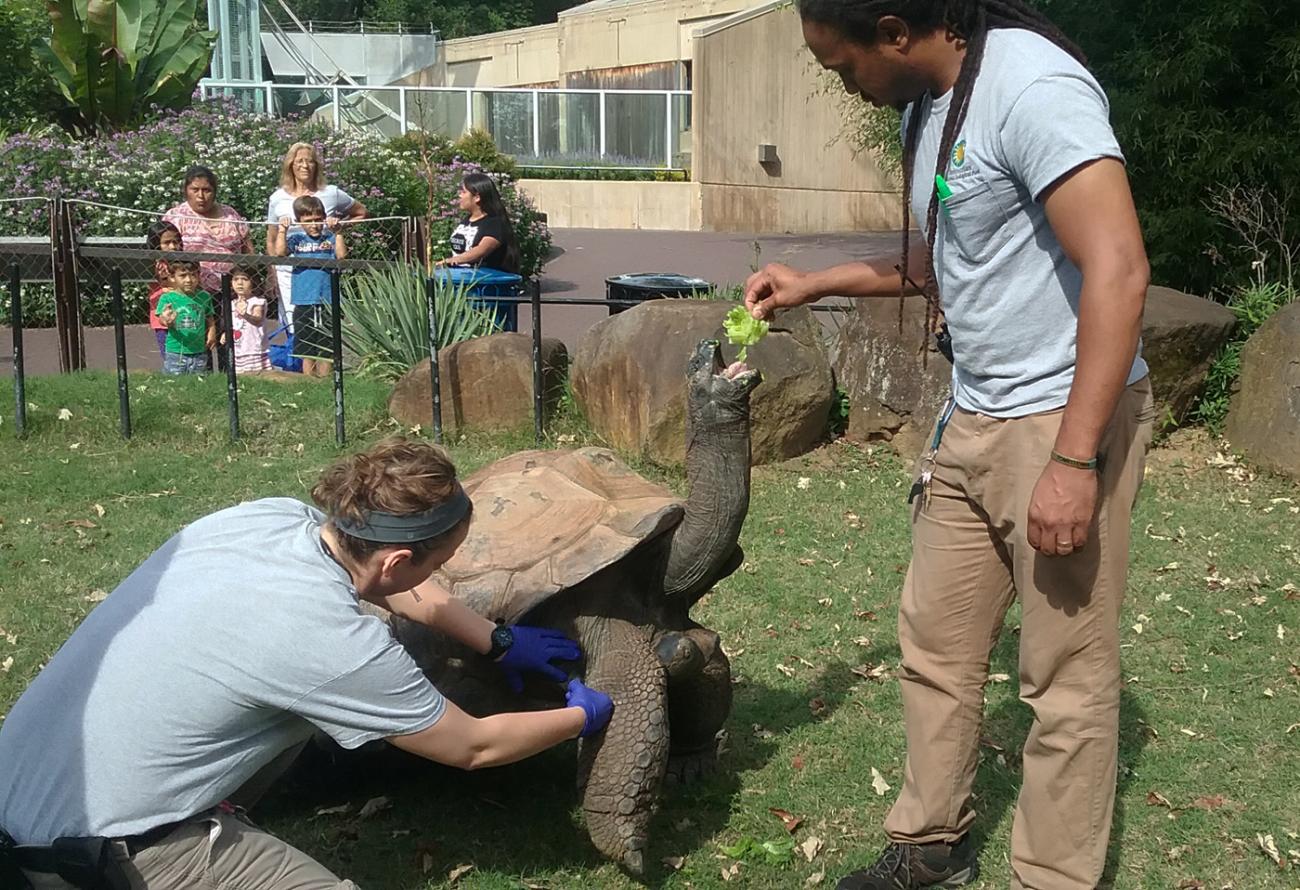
[(113, 59), (386, 318)]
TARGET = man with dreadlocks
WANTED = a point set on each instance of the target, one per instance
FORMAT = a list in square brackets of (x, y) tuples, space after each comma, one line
[(1031, 251)]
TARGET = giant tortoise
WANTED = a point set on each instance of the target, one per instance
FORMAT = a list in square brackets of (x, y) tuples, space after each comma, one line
[(576, 541)]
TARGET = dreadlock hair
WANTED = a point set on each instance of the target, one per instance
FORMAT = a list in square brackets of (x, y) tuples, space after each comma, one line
[(970, 21)]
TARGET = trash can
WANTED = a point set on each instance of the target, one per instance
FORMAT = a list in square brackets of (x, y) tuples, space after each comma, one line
[(643, 286), (483, 284)]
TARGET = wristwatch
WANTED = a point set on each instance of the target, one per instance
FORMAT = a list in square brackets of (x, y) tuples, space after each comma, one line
[(502, 639)]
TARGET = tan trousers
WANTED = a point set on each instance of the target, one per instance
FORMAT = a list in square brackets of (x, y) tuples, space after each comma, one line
[(221, 851), (970, 557)]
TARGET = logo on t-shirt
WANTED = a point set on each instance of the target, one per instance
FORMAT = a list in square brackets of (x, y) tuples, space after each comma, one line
[(959, 155)]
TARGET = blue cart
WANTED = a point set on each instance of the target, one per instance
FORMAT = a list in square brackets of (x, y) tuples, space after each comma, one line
[(483, 284)]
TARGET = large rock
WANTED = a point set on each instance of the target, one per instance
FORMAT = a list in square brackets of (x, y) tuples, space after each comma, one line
[(1264, 419), (629, 377), (895, 390), (486, 384), (1181, 334), (894, 396)]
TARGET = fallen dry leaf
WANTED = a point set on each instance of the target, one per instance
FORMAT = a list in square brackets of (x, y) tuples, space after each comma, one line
[(1269, 848), (803, 483), (373, 806), (334, 811), (1190, 884), (65, 414), (810, 848), (730, 871), (6, 664), (81, 523), (99, 510), (878, 782), (1156, 799), (815, 878), (785, 669), (817, 706), (96, 596), (790, 821), (1176, 853), (999, 678), (674, 862), (1209, 802), (426, 862), (796, 762), (458, 872)]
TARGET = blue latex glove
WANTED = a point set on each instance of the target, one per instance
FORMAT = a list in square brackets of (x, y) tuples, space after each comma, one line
[(595, 704), (534, 649)]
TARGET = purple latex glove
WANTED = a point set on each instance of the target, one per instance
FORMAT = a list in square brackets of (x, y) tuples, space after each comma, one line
[(534, 649), (595, 704)]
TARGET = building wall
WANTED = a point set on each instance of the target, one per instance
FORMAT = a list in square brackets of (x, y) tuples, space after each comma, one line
[(578, 50), (587, 204), (522, 57), (640, 33), (756, 83)]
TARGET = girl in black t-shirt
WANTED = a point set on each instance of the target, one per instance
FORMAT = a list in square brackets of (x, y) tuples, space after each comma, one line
[(484, 237)]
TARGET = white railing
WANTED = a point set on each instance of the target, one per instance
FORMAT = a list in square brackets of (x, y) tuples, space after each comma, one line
[(649, 128)]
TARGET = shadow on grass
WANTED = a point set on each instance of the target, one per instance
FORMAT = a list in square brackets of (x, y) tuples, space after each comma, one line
[(520, 820)]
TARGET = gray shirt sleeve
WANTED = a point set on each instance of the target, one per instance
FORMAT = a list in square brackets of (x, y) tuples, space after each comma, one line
[(1058, 123), (386, 695)]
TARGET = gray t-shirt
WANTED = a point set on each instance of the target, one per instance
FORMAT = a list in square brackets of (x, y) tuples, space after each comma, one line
[(1010, 294), (224, 648)]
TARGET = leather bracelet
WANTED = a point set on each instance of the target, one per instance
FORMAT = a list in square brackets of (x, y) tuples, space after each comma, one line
[(1072, 462)]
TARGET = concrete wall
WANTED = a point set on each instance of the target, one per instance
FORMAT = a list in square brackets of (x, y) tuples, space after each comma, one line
[(573, 204), (756, 82), (522, 57), (614, 35), (588, 38)]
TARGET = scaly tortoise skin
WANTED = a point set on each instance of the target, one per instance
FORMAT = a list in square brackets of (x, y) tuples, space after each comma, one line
[(577, 541)]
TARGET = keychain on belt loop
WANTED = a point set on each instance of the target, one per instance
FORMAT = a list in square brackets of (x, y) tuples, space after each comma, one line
[(922, 486)]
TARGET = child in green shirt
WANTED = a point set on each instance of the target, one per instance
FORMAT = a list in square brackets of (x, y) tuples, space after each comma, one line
[(190, 320)]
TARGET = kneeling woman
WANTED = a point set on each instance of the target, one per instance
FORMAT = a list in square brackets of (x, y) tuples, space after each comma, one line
[(484, 237)]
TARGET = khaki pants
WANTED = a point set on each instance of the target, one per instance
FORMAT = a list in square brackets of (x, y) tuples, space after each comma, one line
[(970, 557), (221, 851)]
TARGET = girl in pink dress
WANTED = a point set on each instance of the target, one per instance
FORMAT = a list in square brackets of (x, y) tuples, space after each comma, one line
[(247, 316)]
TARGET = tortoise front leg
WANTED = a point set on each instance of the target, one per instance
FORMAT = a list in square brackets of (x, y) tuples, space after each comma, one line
[(621, 770)]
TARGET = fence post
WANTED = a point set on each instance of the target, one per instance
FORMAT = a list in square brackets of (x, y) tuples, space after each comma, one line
[(336, 335), (602, 123), (119, 345), (469, 110), (537, 126), (334, 91), (16, 320), (67, 312), (430, 295), (228, 325), (668, 130), (401, 106), (270, 99), (539, 399)]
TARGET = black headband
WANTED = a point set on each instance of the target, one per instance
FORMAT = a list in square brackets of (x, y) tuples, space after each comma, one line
[(392, 528)]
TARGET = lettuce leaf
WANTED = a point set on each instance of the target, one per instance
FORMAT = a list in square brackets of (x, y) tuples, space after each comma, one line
[(743, 330)]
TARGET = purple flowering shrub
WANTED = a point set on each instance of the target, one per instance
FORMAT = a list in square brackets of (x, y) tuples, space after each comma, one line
[(142, 170)]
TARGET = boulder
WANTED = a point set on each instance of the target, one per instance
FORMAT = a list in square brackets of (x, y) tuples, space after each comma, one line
[(486, 384), (1181, 335), (895, 391), (1264, 418), (894, 396), (629, 377)]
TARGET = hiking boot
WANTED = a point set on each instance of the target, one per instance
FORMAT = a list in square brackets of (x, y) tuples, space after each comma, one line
[(936, 866)]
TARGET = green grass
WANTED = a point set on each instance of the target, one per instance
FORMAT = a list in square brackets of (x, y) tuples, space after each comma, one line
[(1211, 697)]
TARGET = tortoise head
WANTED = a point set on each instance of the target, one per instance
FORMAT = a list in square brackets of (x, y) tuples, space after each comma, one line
[(718, 393)]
